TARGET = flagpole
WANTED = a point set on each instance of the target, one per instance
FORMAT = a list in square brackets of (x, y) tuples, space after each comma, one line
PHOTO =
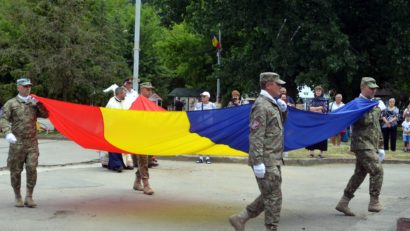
[(218, 54), (136, 44)]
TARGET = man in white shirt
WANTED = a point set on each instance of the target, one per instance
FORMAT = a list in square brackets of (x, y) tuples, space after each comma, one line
[(205, 104), (115, 161), (131, 94)]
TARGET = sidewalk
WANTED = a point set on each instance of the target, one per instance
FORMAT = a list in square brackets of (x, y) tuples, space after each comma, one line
[(55, 153)]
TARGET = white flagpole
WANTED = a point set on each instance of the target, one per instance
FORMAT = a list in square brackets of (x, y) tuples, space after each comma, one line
[(136, 44)]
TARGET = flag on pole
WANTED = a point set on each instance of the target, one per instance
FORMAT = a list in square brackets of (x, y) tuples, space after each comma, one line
[(215, 41)]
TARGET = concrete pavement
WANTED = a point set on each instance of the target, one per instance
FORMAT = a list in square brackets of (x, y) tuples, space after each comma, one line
[(75, 193)]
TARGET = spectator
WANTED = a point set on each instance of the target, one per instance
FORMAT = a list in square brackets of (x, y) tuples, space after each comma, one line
[(131, 94), (290, 100), (389, 125), (235, 99), (179, 105), (318, 105), (115, 160), (205, 104), (406, 133), (333, 107), (406, 111)]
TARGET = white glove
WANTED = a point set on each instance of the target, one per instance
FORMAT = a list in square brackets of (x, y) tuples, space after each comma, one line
[(381, 154), (259, 170), (32, 100), (282, 105), (381, 105), (11, 138)]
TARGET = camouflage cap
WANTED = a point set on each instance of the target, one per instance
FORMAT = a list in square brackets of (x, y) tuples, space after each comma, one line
[(146, 85), (23, 82), (370, 82), (270, 76)]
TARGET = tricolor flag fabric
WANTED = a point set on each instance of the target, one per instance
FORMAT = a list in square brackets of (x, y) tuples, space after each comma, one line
[(220, 132), (215, 41)]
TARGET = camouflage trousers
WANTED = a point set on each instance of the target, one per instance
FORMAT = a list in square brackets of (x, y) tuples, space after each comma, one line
[(20, 154), (142, 161), (367, 162), (270, 200)]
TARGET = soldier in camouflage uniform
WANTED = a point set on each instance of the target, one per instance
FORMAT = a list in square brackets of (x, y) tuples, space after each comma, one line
[(142, 173), (18, 122), (367, 143), (265, 153)]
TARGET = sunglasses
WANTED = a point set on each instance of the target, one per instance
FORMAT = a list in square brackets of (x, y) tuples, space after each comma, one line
[(27, 86)]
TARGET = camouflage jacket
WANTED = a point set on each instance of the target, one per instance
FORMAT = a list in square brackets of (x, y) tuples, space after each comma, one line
[(266, 133), (20, 118), (366, 132)]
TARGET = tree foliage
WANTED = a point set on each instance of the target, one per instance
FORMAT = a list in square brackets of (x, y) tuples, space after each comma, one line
[(72, 49)]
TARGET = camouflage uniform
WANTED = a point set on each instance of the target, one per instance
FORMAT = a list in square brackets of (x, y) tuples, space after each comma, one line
[(20, 118), (266, 146), (142, 162), (366, 139)]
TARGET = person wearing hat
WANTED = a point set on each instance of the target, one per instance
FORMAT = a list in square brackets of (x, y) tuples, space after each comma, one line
[(131, 94), (18, 121), (367, 145), (265, 154), (205, 104), (142, 160)]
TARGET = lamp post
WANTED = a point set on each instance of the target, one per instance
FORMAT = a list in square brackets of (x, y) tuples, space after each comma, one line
[(136, 44)]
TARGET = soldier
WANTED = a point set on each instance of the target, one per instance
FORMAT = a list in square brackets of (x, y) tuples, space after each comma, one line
[(367, 143), (265, 153), (142, 173), (18, 122)]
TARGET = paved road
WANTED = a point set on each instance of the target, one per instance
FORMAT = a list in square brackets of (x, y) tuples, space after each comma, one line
[(190, 197)]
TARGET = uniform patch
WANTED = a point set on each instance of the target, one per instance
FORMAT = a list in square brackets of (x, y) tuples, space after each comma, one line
[(255, 125)]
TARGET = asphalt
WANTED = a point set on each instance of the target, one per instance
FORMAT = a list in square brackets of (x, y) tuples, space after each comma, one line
[(75, 193)]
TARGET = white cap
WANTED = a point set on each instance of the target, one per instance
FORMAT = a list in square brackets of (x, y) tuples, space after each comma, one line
[(205, 93)]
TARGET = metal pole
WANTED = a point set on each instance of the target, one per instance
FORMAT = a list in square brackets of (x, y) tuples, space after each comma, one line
[(136, 43), (218, 54)]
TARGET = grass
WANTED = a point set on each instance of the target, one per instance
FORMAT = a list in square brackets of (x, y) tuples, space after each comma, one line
[(343, 151)]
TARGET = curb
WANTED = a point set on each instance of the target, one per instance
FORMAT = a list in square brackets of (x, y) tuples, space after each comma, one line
[(288, 161)]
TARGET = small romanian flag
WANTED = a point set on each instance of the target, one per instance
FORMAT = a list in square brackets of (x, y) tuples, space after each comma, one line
[(215, 41)]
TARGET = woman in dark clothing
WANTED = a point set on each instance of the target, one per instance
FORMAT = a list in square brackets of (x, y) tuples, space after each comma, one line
[(318, 105)]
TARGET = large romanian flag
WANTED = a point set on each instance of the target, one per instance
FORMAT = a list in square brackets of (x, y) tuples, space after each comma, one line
[(213, 132), (216, 132)]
